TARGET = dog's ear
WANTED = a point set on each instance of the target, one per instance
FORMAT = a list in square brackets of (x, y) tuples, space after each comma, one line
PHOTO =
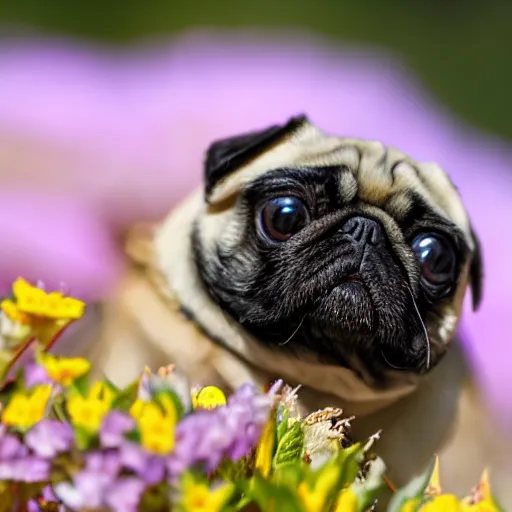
[(226, 155), (476, 272)]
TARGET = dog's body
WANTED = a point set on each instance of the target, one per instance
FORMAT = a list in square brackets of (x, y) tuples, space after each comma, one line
[(229, 297)]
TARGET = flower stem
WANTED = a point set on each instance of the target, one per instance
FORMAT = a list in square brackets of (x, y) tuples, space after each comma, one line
[(391, 486), (22, 348), (59, 412), (19, 352)]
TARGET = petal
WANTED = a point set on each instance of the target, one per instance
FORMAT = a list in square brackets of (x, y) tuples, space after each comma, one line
[(115, 425), (10, 447), (49, 438), (133, 457), (35, 375), (70, 495), (93, 486), (125, 494)]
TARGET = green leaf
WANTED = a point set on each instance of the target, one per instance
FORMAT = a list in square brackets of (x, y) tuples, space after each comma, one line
[(59, 411), (283, 424), (84, 438), (273, 498), (134, 436), (125, 398), (414, 489), (111, 386), (291, 445), (247, 505), (350, 459), (232, 471), (81, 385), (180, 410), (289, 474)]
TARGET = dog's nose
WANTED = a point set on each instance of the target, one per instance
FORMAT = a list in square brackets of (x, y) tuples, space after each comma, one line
[(363, 230)]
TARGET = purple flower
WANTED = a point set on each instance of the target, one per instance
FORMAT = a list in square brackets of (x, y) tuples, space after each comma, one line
[(125, 494), (87, 490), (15, 462), (93, 489), (114, 427), (276, 387), (10, 446), (149, 468), (106, 462), (48, 438), (206, 437), (27, 469), (35, 375), (99, 485)]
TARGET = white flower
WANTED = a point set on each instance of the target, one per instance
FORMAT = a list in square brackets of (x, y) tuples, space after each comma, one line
[(11, 332)]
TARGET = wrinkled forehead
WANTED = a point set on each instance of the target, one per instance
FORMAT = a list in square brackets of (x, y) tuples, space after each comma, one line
[(379, 173)]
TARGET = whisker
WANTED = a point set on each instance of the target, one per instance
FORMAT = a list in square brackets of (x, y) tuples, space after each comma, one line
[(425, 331), (294, 332)]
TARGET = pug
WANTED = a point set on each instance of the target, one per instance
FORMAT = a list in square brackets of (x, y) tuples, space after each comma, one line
[(335, 263)]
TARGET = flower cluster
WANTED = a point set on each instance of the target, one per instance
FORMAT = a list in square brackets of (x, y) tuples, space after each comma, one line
[(108, 448), (33, 316), (68, 443)]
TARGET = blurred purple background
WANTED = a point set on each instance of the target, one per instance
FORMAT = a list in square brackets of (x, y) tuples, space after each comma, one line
[(94, 139)]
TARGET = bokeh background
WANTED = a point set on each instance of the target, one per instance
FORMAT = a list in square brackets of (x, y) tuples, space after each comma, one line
[(106, 109)]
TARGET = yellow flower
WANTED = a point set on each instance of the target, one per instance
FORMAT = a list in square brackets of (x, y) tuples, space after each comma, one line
[(137, 407), (197, 497), (23, 410), (157, 435), (156, 423), (151, 409), (12, 312), (31, 300), (265, 448), (314, 497), (208, 397), (443, 503), (88, 412), (64, 370), (347, 501)]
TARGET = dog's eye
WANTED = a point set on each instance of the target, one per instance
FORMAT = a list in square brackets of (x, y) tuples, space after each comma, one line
[(282, 217), (437, 260)]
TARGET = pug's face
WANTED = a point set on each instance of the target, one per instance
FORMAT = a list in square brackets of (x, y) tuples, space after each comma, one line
[(338, 248)]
